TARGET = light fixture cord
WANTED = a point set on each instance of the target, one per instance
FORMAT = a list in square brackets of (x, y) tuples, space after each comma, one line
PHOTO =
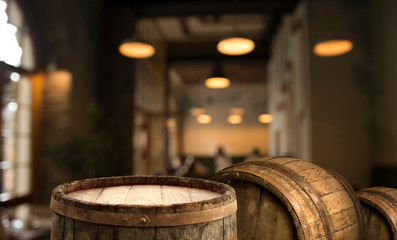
[(236, 22)]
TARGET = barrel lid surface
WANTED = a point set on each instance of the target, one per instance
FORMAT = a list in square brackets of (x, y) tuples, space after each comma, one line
[(144, 195)]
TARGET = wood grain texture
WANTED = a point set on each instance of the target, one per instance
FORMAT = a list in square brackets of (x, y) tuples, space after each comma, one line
[(162, 197), (144, 195), (288, 198), (380, 212)]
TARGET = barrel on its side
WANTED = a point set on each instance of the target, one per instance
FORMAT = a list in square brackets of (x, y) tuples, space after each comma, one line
[(288, 198), (144, 207), (380, 212)]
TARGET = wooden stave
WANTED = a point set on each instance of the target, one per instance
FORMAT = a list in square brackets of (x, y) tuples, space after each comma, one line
[(69, 229), (379, 198), (228, 197), (237, 172)]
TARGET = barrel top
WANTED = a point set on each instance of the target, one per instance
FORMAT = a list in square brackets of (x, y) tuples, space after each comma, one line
[(144, 195), (144, 201)]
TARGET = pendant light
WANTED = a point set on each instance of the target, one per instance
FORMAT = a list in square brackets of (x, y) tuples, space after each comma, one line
[(235, 46), (217, 80), (135, 48), (333, 43), (236, 115), (265, 118), (204, 119), (235, 119), (333, 47)]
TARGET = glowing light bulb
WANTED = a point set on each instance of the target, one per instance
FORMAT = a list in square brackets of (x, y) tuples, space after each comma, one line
[(265, 118), (134, 49), (13, 106), (204, 119), (333, 47), (235, 119), (15, 77), (235, 46), (217, 82)]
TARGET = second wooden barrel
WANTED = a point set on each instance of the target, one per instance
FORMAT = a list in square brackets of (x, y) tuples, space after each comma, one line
[(380, 212), (289, 198), (143, 207)]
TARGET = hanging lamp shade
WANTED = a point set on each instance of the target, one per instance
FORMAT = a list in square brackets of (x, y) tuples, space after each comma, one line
[(217, 80), (196, 111), (235, 46), (235, 119), (134, 48), (265, 118), (333, 47), (237, 111), (204, 119)]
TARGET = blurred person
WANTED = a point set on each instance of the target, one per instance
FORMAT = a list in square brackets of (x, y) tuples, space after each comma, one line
[(9, 181), (185, 167), (174, 165), (199, 169), (222, 160), (254, 154)]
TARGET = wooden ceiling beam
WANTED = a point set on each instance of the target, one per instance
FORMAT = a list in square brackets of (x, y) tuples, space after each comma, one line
[(179, 51), (162, 8)]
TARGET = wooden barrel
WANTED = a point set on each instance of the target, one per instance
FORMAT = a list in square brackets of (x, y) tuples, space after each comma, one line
[(288, 198), (380, 212), (143, 207)]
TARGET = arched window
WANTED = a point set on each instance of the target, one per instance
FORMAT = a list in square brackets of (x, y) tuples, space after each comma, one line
[(15, 39), (16, 95)]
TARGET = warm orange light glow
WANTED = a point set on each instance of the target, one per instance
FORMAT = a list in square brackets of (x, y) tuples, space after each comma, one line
[(235, 119), (265, 118), (138, 120), (138, 50), (171, 122), (236, 111), (235, 46), (204, 119), (197, 111), (333, 47), (217, 82), (60, 81)]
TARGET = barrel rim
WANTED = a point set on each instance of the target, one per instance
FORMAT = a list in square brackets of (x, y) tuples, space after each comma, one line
[(144, 215), (226, 191), (379, 201)]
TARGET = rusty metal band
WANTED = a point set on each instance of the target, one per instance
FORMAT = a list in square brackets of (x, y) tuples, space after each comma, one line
[(356, 202), (380, 199), (143, 220), (285, 192), (320, 206), (318, 202)]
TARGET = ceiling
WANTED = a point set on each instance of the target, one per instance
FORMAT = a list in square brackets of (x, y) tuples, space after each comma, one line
[(192, 46), (211, 27), (248, 71), (193, 28)]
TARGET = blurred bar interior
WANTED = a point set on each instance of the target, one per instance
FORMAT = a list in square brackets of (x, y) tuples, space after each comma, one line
[(316, 80)]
